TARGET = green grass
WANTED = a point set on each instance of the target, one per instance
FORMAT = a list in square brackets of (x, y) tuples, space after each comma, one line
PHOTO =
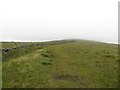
[(78, 64), (0, 74), (14, 44)]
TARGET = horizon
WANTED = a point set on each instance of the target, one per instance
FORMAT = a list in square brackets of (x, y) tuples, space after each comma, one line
[(60, 40)]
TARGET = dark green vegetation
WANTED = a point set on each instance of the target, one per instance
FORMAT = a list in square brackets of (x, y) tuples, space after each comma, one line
[(62, 64)]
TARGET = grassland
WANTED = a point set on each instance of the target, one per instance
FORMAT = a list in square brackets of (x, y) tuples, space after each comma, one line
[(13, 44), (0, 73), (61, 64)]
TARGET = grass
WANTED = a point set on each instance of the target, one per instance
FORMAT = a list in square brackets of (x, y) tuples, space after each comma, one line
[(62, 64), (13, 44), (0, 66)]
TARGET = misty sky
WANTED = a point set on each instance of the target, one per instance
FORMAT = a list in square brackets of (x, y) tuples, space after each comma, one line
[(39, 20)]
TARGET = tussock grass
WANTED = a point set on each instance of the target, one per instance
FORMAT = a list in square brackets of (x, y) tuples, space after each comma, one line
[(78, 64)]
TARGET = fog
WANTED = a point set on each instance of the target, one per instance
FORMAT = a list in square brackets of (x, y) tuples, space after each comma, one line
[(44, 20)]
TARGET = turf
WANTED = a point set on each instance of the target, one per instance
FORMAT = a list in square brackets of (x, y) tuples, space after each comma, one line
[(62, 64)]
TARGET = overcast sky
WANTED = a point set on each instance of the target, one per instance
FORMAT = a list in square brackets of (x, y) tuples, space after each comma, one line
[(39, 20)]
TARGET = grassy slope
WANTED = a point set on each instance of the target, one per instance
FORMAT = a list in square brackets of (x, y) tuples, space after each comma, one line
[(73, 64), (13, 44)]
